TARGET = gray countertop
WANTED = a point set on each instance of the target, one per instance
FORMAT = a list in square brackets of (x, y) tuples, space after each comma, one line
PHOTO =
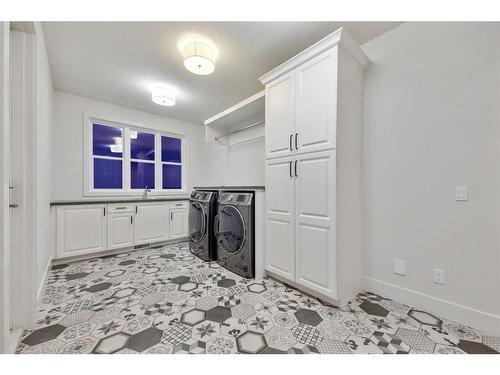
[(104, 200), (230, 187)]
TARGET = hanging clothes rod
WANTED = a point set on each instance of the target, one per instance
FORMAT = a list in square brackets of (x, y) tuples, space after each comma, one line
[(240, 130)]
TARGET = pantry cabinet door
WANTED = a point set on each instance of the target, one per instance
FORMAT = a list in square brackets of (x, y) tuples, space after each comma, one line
[(316, 255), (279, 230), (316, 103), (280, 116), (81, 230)]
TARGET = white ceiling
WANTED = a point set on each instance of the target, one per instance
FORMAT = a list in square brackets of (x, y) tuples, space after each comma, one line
[(117, 61)]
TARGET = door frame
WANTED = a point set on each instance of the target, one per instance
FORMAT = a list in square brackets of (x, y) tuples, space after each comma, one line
[(22, 138), (4, 187)]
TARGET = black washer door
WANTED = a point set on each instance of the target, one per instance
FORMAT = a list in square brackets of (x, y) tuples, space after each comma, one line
[(197, 222), (231, 230)]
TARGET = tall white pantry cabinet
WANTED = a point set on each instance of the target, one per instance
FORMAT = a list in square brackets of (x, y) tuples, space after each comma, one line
[(314, 114)]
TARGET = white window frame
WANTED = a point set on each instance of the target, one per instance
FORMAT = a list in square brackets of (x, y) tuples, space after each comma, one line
[(127, 126)]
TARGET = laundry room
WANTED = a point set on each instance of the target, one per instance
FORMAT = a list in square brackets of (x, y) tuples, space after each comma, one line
[(256, 187)]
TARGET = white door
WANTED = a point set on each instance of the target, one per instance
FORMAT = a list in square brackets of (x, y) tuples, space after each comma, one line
[(316, 103), (280, 116), (152, 222), (316, 255), (178, 223), (279, 232), (81, 229), (120, 230)]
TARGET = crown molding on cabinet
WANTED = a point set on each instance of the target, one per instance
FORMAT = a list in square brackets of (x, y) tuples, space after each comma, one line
[(339, 37)]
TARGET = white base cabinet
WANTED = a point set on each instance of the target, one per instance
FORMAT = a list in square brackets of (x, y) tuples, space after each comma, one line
[(179, 216), (152, 222), (120, 226), (83, 229), (314, 113)]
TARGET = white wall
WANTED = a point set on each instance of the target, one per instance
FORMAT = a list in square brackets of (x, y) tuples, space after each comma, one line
[(432, 116), (43, 146), (210, 164)]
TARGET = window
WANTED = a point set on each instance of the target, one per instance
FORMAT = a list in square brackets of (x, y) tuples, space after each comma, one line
[(125, 159)]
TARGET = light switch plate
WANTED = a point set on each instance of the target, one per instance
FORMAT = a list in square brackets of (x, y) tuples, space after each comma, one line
[(399, 267), (461, 193)]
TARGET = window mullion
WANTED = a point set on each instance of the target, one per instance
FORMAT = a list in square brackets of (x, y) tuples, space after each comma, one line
[(126, 160), (158, 174)]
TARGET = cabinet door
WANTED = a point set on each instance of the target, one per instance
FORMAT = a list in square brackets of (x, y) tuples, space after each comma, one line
[(120, 230), (152, 222), (81, 229), (280, 116), (316, 103), (279, 231), (316, 255), (178, 223)]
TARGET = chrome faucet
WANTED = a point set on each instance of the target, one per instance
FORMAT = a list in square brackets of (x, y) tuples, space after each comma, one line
[(145, 194)]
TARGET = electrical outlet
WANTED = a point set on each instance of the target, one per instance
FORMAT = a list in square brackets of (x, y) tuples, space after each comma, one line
[(461, 193), (438, 276), (399, 267)]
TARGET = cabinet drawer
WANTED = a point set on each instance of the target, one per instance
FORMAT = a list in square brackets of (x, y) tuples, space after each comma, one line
[(179, 204), (120, 207)]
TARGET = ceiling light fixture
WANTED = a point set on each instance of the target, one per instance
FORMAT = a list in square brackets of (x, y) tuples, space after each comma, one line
[(163, 95), (199, 58)]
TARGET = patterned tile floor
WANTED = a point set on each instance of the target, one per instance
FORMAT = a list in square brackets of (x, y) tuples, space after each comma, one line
[(164, 300)]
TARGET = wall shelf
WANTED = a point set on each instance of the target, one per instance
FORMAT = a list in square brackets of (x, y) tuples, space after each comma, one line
[(241, 123)]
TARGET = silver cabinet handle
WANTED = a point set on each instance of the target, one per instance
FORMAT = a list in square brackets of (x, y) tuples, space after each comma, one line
[(104, 211), (291, 169), (120, 208), (13, 205), (296, 175), (296, 142), (290, 143)]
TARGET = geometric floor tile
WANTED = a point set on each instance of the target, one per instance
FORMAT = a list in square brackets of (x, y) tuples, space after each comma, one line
[(333, 347), (416, 339), (164, 300), (43, 334), (492, 342), (145, 339), (389, 343), (280, 338), (112, 344), (462, 332), (251, 342), (362, 345), (473, 347), (373, 309), (425, 318), (357, 327), (308, 317)]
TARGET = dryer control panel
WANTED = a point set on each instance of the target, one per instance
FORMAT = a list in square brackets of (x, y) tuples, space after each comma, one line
[(236, 198)]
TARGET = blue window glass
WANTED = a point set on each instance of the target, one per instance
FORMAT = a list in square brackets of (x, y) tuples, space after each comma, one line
[(107, 174), (142, 146), (142, 175), (170, 150), (172, 176), (107, 141)]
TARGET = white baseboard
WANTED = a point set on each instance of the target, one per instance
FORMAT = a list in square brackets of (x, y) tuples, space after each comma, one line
[(42, 284), (483, 321)]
